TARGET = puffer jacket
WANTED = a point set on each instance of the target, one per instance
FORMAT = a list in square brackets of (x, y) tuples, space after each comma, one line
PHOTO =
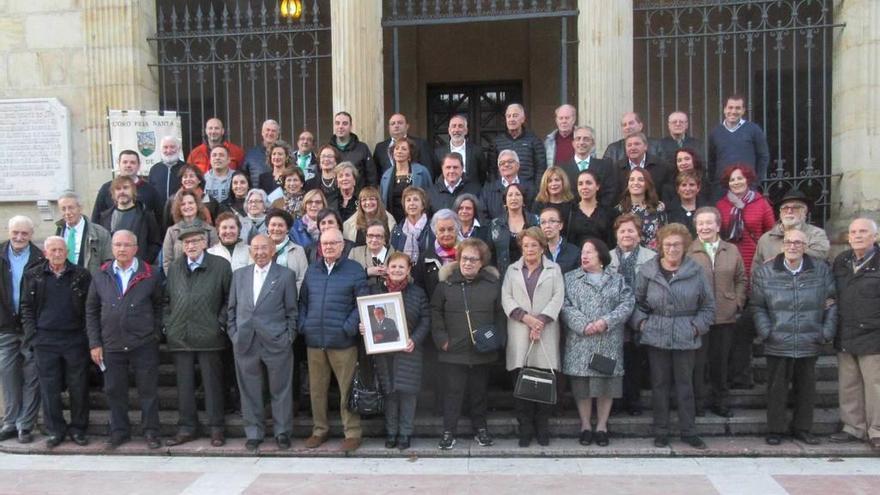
[(449, 324), (195, 304), (402, 371), (789, 310), (858, 304), (672, 310), (328, 312)]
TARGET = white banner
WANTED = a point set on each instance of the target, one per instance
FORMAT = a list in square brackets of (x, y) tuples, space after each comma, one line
[(142, 131)]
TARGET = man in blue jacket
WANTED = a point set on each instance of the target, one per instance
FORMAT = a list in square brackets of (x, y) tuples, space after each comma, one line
[(329, 321)]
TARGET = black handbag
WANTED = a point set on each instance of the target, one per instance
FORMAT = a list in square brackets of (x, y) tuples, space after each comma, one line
[(602, 364), (486, 337), (535, 384), (366, 398)]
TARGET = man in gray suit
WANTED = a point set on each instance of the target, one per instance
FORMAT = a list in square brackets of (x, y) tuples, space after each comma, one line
[(261, 326)]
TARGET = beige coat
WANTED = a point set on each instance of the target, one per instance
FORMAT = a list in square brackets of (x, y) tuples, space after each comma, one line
[(547, 300), (770, 244), (727, 278)]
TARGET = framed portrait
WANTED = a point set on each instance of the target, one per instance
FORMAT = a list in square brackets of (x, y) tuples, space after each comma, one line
[(384, 322)]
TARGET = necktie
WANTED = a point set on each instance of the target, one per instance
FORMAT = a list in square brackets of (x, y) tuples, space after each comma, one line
[(71, 244), (583, 164)]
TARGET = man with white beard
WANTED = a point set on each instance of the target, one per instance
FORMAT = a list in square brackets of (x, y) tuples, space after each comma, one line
[(793, 209), (165, 176)]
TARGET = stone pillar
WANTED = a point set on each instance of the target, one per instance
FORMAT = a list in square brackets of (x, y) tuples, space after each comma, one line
[(605, 66), (855, 100), (358, 87)]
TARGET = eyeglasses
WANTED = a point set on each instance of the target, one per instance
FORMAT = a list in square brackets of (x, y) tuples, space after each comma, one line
[(255, 201), (330, 243), (671, 245), (506, 162), (375, 236), (793, 243), (471, 259), (792, 207), (187, 242)]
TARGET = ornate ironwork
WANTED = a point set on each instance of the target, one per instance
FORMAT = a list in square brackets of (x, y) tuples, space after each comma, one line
[(399, 13), (244, 62), (483, 104), (689, 55)]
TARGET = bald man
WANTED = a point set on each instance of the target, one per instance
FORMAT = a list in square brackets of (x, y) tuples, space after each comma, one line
[(528, 147), (215, 135), (398, 128), (559, 143)]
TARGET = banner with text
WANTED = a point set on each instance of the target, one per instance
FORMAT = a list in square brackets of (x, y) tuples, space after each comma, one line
[(142, 131)]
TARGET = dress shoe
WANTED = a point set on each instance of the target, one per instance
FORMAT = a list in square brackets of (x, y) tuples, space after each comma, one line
[(722, 411), (79, 439), (806, 437), (180, 439), (390, 442), (54, 441), (116, 440), (525, 440), (635, 411), (602, 438), (25, 436), (152, 440), (252, 445), (543, 438), (350, 444), (842, 437), (875, 443), (315, 441), (7, 434), (773, 440), (661, 441), (283, 441), (586, 438), (403, 442), (217, 439), (700, 413), (694, 441)]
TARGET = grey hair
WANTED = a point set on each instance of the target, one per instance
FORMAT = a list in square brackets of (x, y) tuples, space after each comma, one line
[(587, 128), (869, 220), (271, 121), (259, 192), (129, 233), (466, 197), (518, 105), (170, 138), (510, 153), (52, 238), (445, 214), (21, 220), (71, 195)]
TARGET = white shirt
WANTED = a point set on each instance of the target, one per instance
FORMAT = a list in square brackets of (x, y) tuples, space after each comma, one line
[(461, 151), (578, 160), (329, 266), (193, 264), (381, 256), (505, 182), (259, 278), (637, 165), (796, 270), (451, 188), (125, 274), (734, 128), (79, 229)]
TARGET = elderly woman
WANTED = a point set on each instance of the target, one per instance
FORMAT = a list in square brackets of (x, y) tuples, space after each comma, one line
[(347, 181), (400, 373), (188, 211), (375, 254), (231, 247), (325, 181), (413, 235), (724, 267), (505, 229), (287, 253), (745, 213), (369, 208), (532, 295), (404, 174), (292, 194), (467, 207), (588, 217), (598, 303), (688, 188), (640, 198), (280, 164), (256, 203), (444, 230), (674, 307), (555, 191), (305, 228), (627, 259), (468, 296), (238, 189)]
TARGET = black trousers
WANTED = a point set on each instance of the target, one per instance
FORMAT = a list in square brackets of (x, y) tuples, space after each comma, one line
[(144, 361), (64, 360), (533, 417), (672, 368), (800, 375), (211, 367), (461, 379), (720, 341), (635, 367), (740, 366)]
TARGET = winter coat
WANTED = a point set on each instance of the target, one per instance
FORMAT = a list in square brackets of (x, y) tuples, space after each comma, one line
[(34, 297), (172, 248), (672, 311), (240, 257), (609, 299), (402, 371), (727, 278), (531, 152), (145, 226), (121, 323), (858, 304), (790, 313), (10, 318), (757, 219), (195, 304), (547, 300), (770, 244), (328, 312)]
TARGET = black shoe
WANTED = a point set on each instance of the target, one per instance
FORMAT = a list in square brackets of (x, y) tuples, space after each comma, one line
[(54, 441), (447, 441), (586, 438), (252, 445), (722, 411), (842, 437), (602, 438), (283, 441), (390, 442), (525, 440), (79, 439), (152, 441), (179, 439), (635, 411), (773, 439), (7, 434), (661, 441), (806, 437), (700, 413), (483, 438), (543, 439), (116, 440), (24, 436), (403, 442), (694, 441)]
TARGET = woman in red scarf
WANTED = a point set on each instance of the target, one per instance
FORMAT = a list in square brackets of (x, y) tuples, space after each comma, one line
[(745, 213)]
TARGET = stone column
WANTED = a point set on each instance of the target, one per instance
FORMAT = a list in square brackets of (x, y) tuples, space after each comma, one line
[(855, 100), (358, 87), (605, 66)]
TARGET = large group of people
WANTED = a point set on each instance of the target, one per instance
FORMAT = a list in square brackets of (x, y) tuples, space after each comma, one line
[(651, 266)]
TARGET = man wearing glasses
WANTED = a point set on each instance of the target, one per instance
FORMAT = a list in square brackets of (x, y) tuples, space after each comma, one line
[(793, 209)]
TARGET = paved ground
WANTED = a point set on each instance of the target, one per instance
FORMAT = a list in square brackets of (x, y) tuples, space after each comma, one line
[(154, 475)]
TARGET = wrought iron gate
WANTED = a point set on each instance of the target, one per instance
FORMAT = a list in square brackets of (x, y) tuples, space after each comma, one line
[(245, 61), (484, 105), (689, 55)]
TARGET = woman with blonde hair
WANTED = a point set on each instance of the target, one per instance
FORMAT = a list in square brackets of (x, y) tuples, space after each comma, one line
[(555, 191), (369, 207)]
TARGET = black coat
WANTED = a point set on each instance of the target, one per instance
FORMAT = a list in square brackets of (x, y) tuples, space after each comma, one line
[(382, 161), (33, 295), (10, 320), (568, 258), (476, 169), (858, 301), (609, 189), (662, 176), (492, 198), (530, 150), (147, 195), (146, 229), (667, 147), (402, 371), (439, 196), (616, 151), (358, 154)]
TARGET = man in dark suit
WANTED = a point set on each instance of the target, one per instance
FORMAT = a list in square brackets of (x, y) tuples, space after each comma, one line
[(637, 156), (262, 327), (476, 171), (398, 128), (630, 123), (678, 138), (584, 144), (450, 184), (385, 330), (492, 195)]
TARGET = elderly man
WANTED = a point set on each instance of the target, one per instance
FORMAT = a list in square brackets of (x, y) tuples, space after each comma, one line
[(124, 321), (88, 244), (792, 303), (583, 159), (215, 135), (53, 314), (736, 140), (129, 164), (128, 214), (528, 147), (398, 128), (218, 180), (677, 124), (165, 175), (492, 195), (18, 369), (559, 143), (255, 159), (195, 324), (793, 209), (630, 124), (304, 156), (638, 156), (329, 321), (472, 160), (353, 150), (857, 272), (262, 327), (450, 185)]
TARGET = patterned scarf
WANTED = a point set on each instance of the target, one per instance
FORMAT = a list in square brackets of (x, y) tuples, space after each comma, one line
[(446, 255), (627, 266), (311, 227), (737, 227), (395, 286), (412, 233)]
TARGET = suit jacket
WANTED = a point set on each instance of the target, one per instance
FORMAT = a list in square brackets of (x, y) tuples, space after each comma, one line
[(663, 177), (476, 169), (609, 189), (616, 151), (94, 248), (272, 319), (385, 332), (382, 161)]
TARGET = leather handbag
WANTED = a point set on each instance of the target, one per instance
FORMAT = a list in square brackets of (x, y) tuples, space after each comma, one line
[(366, 398), (535, 384), (602, 364), (486, 337)]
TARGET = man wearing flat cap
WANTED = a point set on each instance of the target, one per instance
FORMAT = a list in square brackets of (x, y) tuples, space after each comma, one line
[(793, 210)]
